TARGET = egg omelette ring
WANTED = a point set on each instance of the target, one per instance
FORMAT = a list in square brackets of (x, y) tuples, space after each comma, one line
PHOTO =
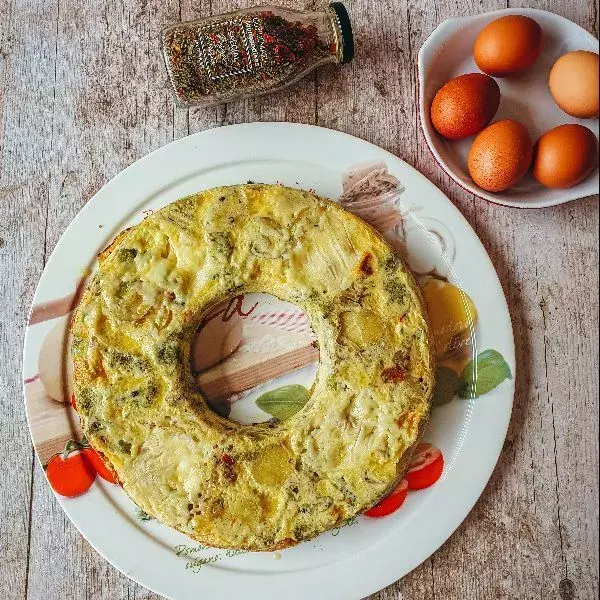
[(268, 485)]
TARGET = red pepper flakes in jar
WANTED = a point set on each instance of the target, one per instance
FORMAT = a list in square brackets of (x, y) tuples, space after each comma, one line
[(252, 51)]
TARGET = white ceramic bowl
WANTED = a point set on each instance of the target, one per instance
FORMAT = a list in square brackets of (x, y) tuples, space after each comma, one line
[(448, 52)]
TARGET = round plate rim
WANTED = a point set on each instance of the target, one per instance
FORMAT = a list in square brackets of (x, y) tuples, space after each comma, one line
[(384, 569)]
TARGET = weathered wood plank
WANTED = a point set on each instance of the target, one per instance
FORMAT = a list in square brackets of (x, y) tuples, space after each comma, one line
[(567, 297), (27, 58)]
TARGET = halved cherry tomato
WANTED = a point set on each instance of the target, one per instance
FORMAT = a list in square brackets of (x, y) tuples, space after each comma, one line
[(70, 475), (425, 468), (73, 401), (390, 503), (100, 467)]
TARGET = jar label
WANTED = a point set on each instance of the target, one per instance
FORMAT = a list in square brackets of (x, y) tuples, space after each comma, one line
[(231, 47)]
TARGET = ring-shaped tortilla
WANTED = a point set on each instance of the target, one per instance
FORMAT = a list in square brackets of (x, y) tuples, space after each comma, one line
[(267, 485)]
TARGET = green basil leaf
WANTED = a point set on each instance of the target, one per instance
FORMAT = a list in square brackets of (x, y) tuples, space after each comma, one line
[(283, 402), (482, 375), (446, 385)]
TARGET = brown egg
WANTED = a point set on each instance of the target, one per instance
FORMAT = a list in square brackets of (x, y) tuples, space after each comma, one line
[(508, 45), (465, 105), (574, 82), (564, 156), (500, 155)]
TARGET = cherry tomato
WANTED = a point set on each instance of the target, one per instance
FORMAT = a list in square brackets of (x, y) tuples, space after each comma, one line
[(390, 503), (71, 475), (425, 468), (99, 465), (73, 401)]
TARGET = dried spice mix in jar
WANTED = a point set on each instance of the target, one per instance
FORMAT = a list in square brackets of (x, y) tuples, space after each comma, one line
[(252, 51)]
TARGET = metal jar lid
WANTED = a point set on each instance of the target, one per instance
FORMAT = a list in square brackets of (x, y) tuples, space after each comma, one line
[(346, 31)]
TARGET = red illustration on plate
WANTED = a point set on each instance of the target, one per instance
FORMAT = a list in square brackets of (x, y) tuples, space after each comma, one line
[(425, 469), (73, 471)]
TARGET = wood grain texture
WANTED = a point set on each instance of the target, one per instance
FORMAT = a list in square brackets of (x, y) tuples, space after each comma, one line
[(83, 93), (27, 60)]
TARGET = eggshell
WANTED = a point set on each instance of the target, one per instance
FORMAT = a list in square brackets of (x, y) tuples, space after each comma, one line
[(500, 155), (574, 82), (508, 45), (564, 156), (465, 105)]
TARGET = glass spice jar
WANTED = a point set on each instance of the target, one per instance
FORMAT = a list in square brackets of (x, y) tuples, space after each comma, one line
[(252, 51)]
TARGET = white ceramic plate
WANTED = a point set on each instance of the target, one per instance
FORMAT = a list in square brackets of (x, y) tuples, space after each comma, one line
[(353, 561), (448, 52)]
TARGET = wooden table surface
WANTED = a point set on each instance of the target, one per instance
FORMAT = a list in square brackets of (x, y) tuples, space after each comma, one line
[(83, 95)]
